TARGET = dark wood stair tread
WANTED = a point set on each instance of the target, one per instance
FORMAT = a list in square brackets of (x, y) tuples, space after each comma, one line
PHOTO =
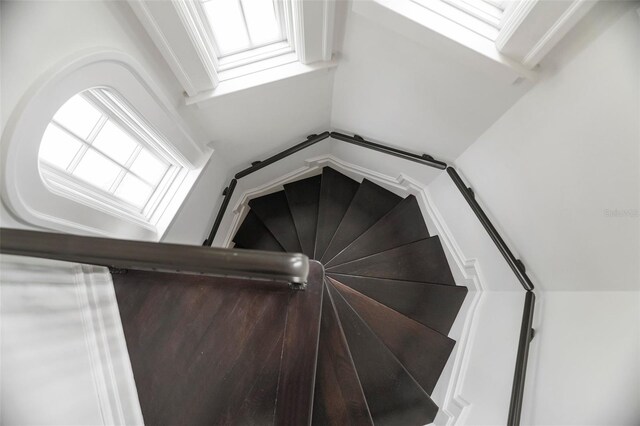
[(422, 261), (404, 224), (252, 234), (434, 305), (338, 398), (393, 396), (336, 193), (370, 203), (273, 211), (303, 198), (421, 350)]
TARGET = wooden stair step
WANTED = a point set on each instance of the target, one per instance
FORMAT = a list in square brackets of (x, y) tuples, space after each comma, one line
[(392, 394), (421, 350), (303, 197), (404, 224), (370, 203), (433, 305), (273, 211), (422, 261), (336, 193), (252, 234), (338, 398)]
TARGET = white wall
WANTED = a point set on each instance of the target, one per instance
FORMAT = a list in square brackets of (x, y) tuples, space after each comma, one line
[(585, 367), (559, 173), (553, 166), (63, 353), (390, 88)]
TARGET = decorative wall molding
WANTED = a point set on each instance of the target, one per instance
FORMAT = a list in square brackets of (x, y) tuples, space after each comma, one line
[(66, 359), (453, 403), (107, 347)]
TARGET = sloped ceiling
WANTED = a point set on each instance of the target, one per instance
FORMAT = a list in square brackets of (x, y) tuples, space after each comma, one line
[(386, 87)]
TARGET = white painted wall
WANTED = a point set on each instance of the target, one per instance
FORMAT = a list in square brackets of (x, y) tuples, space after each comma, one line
[(63, 353), (585, 367), (552, 169), (390, 88), (559, 173)]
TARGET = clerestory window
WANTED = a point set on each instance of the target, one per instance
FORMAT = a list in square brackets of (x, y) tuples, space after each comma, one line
[(98, 151)]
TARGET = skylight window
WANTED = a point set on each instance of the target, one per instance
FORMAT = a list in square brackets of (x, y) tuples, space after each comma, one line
[(96, 148), (241, 25), (483, 17)]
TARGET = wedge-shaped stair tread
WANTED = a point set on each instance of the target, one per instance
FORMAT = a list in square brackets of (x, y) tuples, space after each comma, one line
[(336, 193), (422, 261), (434, 305), (254, 235), (338, 398), (393, 396), (370, 203), (402, 225), (422, 350), (303, 197), (273, 211)]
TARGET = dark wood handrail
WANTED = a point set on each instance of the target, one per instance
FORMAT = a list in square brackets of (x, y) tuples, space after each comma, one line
[(125, 254)]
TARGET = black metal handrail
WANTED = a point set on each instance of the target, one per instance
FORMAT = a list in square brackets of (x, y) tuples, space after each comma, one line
[(520, 373), (292, 268), (516, 265)]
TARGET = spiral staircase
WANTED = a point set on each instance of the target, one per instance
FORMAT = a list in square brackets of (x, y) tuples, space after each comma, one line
[(389, 301)]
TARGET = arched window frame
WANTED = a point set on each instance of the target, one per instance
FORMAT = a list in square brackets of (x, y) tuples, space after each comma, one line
[(32, 201)]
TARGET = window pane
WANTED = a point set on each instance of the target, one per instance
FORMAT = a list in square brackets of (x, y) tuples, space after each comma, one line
[(149, 167), (96, 169), (58, 147), (78, 115), (261, 21), (227, 24), (115, 142), (134, 191)]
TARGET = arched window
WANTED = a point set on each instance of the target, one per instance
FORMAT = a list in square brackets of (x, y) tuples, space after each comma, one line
[(96, 148)]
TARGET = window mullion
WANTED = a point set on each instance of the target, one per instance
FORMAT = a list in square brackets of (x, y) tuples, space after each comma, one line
[(246, 26), (125, 169), (96, 130)]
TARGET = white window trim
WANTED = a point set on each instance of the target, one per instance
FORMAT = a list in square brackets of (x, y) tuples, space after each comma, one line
[(181, 34), (33, 202), (529, 29)]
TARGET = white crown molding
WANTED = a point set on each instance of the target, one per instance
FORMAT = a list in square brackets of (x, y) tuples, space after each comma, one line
[(106, 346), (453, 404)]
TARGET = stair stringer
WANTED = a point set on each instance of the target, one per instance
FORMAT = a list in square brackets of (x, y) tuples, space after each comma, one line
[(448, 391)]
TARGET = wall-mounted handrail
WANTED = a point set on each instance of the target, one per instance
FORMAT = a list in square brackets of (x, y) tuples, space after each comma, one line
[(515, 264), (292, 268), (311, 140), (423, 159), (520, 373), (228, 193), (526, 332)]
